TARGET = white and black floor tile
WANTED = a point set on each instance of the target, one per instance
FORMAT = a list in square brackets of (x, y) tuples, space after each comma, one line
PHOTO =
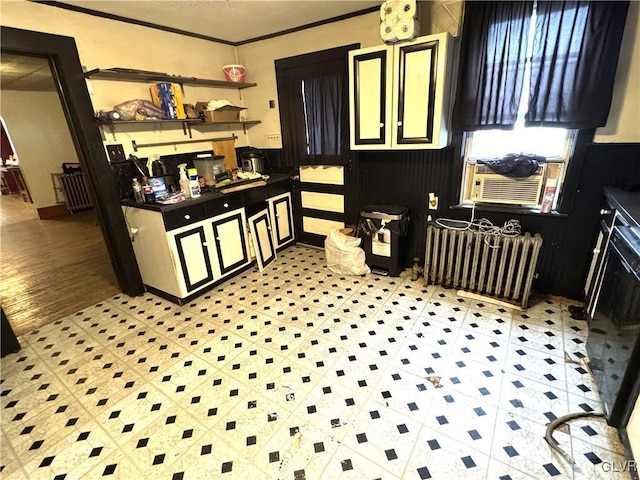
[(299, 373)]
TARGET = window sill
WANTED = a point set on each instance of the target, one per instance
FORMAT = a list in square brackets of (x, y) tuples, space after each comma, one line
[(509, 209)]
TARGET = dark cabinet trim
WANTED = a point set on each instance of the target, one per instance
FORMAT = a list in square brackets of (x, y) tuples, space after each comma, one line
[(382, 55), (431, 88), (183, 262), (264, 217), (280, 239), (245, 254)]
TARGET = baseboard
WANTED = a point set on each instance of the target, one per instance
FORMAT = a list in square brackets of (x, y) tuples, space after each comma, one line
[(53, 211)]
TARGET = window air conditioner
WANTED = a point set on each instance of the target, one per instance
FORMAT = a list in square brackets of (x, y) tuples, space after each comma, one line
[(490, 187)]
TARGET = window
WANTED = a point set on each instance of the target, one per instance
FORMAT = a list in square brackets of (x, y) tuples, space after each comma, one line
[(482, 185), (532, 74)]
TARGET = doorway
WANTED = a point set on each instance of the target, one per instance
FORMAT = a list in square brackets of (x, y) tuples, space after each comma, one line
[(62, 55), (55, 267)]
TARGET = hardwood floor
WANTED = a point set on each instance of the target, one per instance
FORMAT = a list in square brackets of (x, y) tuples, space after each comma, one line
[(50, 268)]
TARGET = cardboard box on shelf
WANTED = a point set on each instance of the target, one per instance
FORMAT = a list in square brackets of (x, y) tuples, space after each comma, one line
[(228, 113)]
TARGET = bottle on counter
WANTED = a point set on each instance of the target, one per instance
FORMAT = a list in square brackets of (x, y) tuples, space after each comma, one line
[(193, 183), (184, 180), (137, 191), (147, 191)]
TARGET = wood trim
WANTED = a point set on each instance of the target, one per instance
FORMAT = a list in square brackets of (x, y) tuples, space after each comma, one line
[(339, 18), (323, 188), (52, 211), (76, 103), (133, 21)]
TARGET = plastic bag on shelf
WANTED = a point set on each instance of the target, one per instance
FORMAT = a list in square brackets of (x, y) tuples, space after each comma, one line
[(139, 110)]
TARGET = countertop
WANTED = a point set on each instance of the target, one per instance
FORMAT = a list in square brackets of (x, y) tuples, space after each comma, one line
[(205, 197), (626, 203)]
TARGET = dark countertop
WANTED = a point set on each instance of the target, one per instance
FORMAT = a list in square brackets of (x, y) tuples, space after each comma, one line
[(627, 203), (205, 197)]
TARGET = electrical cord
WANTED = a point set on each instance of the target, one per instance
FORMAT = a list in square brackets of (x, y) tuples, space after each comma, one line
[(511, 228)]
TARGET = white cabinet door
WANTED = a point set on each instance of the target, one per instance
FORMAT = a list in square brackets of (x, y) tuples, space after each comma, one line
[(189, 246), (228, 233), (281, 219), (260, 229), (370, 84), (407, 105)]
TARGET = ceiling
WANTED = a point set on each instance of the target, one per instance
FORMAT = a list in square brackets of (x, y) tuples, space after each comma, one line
[(231, 21), (19, 72)]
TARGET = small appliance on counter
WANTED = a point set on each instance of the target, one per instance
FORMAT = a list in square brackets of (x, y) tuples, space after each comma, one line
[(253, 160)]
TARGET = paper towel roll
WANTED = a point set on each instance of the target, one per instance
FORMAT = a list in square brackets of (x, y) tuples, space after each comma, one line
[(398, 20)]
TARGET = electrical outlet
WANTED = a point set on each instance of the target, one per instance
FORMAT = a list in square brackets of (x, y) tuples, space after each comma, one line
[(116, 153), (433, 201)]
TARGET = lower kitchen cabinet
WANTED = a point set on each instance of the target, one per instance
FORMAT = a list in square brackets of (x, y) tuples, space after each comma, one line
[(192, 251), (229, 237), (184, 250), (281, 214), (179, 263), (262, 239)]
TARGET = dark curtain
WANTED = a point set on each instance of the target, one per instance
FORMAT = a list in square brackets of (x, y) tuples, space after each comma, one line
[(314, 107), (574, 60), (492, 61), (325, 110)]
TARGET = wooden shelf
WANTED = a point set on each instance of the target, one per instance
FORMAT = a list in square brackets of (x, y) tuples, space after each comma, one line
[(143, 122), (246, 123), (190, 121), (130, 75), (186, 123)]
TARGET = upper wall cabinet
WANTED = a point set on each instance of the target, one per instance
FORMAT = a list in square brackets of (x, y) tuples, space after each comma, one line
[(399, 94)]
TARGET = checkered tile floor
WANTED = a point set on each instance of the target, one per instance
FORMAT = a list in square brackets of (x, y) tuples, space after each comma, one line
[(298, 373)]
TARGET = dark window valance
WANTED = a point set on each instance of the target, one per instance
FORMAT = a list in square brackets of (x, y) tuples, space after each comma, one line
[(574, 60), (492, 61), (314, 107), (574, 56)]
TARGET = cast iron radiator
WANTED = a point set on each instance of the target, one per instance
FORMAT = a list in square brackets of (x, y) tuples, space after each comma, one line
[(76, 193), (501, 267)]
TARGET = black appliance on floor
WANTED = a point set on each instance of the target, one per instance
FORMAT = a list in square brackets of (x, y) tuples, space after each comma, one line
[(613, 306)]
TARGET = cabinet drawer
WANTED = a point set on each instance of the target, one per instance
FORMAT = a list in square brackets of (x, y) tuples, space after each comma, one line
[(182, 216), (218, 206)]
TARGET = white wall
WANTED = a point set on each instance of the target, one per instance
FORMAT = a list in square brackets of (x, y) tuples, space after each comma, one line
[(39, 132), (258, 58), (623, 124), (104, 43)]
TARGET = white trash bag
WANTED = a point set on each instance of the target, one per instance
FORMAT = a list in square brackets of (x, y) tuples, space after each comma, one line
[(344, 254)]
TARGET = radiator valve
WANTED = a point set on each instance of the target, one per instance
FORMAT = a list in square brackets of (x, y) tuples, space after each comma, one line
[(416, 269)]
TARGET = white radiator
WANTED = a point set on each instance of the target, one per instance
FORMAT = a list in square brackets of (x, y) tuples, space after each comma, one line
[(501, 267), (76, 193)]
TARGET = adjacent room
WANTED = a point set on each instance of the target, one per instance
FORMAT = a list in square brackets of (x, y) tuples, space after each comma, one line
[(312, 240)]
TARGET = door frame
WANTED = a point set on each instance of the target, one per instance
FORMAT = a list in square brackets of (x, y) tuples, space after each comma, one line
[(66, 69)]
